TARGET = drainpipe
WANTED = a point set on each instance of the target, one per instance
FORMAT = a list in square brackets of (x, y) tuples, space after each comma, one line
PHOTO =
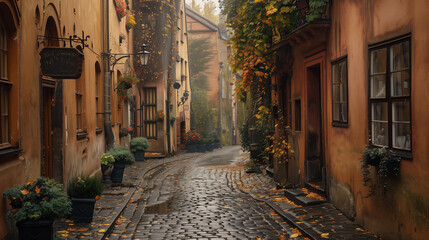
[(220, 101), (108, 131)]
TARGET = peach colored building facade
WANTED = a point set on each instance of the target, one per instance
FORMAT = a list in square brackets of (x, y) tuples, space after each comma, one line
[(343, 83), (54, 127)]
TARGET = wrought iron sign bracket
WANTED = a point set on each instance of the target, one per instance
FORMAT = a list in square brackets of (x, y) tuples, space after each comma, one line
[(71, 39)]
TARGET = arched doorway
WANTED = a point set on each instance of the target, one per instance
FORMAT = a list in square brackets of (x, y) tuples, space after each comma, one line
[(52, 115)]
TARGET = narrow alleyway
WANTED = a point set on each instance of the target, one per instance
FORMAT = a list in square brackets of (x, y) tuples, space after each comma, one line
[(203, 204)]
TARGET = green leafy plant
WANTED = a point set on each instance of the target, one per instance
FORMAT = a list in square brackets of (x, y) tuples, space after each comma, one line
[(245, 136), (85, 187), (139, 144), (107, 159), (386, 163), (124, 83), (122, 155), (125, 131), (215, 137), (159, 116), (192, 137), (38, 200)]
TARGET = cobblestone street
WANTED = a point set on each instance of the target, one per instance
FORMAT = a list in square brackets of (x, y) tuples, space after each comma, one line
[(206, 205)]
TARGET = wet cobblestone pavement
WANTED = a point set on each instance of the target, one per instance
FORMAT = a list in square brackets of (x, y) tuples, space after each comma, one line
[(206, 207), (204, 204)]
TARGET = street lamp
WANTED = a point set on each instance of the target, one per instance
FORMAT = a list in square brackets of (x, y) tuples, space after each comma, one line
[(142, 54), (184, 98)]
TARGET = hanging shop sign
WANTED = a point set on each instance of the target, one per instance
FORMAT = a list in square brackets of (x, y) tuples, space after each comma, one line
[(62, 63)]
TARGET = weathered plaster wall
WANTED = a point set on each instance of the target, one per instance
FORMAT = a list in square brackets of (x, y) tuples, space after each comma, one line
[(403, 214)]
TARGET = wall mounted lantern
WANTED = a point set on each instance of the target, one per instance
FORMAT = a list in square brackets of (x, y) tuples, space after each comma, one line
[(184, 98), (143, 55)]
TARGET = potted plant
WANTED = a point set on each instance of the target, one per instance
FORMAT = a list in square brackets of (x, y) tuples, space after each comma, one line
[(122, 157), (107, 161), (138, 147), (159, 116), (125, 82), (192, 139), (386, 163), (84, 191), (35, 205), (216, 141), (131, 22), (121, 8), (121, 38)]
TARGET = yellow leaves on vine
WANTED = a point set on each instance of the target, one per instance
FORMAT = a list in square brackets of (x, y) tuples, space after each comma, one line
[(270, 9), (37, 190)]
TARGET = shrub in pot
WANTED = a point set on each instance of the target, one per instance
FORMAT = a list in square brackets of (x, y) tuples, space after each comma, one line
[(192, 139), (35, 205), (84, 191), (123, 157), (216, 140), (107, 161), (138, 147)]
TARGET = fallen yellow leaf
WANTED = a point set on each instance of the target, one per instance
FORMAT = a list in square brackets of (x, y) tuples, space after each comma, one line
[(294, 235), (324, 235), (24, 192)]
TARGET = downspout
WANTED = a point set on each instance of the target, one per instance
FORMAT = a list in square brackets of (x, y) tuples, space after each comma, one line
[(220, 101), (108, 134)]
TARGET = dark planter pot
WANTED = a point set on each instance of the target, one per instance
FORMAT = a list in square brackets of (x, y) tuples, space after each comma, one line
[(139, 155), (191, 148), (107, 171), (201, 147), (82, 209), (217, 145), (373, 161), (210, 147), (117, 173), (35, 230)]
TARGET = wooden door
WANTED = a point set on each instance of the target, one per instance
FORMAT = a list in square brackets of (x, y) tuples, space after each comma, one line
[(47, 132), (313, 151)]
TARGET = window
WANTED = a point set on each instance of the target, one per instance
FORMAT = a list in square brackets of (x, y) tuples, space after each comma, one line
[(297, 114), (80, 89), (149, 112), (339, 93), (4, 89), (98, 94), (390, 94)]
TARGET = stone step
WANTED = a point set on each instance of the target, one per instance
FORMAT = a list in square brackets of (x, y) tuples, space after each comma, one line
[(305, 201), (316, 188), (292, 194)]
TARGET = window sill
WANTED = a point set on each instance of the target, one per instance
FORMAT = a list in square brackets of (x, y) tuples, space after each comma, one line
[(82, 135), (405, 155), (98, 131), (8, 152), (340, 124)]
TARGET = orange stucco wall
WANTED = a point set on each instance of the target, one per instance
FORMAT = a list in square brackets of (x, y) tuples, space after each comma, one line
[(78, 156), (403, 214)]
